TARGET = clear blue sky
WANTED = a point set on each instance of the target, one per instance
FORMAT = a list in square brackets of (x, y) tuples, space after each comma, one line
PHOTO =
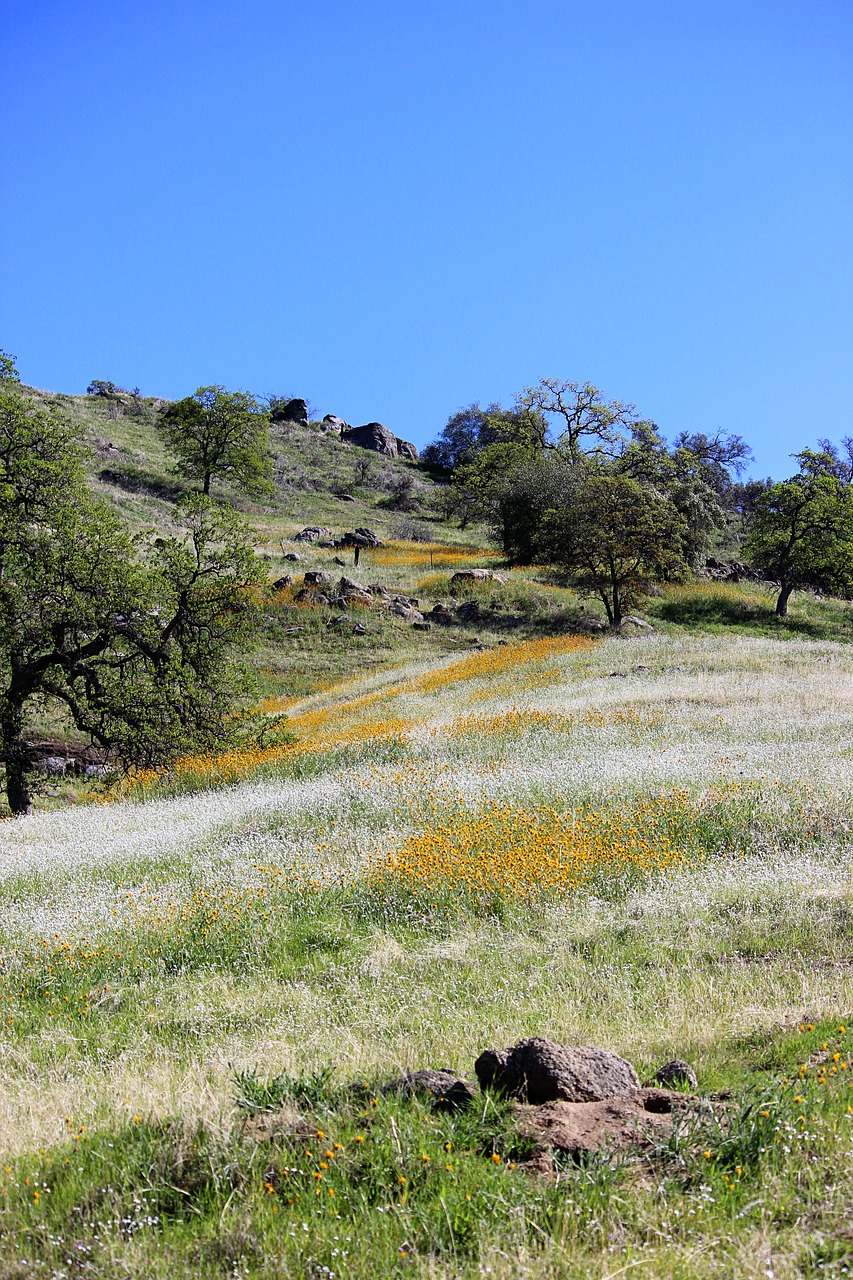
[(397, 208)]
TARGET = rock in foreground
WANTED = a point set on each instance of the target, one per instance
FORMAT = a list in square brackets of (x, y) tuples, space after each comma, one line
[(538, 1071)]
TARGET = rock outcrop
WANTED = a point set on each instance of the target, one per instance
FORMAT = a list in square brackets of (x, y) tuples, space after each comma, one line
[(372, 436)]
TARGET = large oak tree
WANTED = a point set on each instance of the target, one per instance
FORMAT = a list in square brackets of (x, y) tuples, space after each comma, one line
[(132, 642)]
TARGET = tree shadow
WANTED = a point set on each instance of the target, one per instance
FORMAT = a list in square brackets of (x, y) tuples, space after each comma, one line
[(135, 480)]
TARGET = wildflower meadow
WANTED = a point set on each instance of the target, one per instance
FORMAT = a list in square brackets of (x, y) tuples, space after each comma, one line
[(644, 844)]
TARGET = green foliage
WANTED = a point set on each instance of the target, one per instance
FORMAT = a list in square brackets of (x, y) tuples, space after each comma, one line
[(108, 390), (802, 534), (136, 652), (221, 434), (8, 367), (614, 536)]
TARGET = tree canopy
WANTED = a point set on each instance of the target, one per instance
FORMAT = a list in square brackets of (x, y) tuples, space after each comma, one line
[(615, 536), (219, 434), (802, 532), (134, 642)]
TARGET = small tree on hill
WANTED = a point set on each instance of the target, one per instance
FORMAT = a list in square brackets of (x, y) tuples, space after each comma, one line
[(219, 434), (136, 649), (614, 537), (802, 533)]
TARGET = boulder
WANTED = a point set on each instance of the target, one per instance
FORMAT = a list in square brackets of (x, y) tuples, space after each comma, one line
[(294, 411), (632, 623), (442, 1088), (340, 621), (441, 615), (307, 596), (314, 577), (372, 436), (401, 610), (537, 1071), (286, 580), (360, 538), (473, 575), (677, 1073), (312, 533), (359, 629), (406, 450), (338, 560), (468, 611), (332, 423), (348, 585), (345, 497), (421, 626), (292, 557)]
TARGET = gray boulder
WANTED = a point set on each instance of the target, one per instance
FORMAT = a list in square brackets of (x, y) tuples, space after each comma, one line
[(677, 1073), (314, 577), (312, 533), (442, 1087), (538, 1071), (372, 436)]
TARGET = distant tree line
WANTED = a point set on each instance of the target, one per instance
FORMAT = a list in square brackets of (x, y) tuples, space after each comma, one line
[(569, 477)]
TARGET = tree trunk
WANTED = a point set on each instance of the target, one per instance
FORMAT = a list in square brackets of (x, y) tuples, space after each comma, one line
[(17, 759), (206, 486), (782, 602), (17, 791)]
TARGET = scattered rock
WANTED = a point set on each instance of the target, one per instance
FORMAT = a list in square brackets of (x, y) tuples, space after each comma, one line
[(442, 1087), (731, 571), (338, 560), (307, 596), (292, 557), (469, 611), (340, 621), (421, 626), (359, 629), (286, 580), (402, 610), (360, 538), (345, 497), (372, 436), (537, 1070), (630, 622), (311, 533), (53, 766), (441, 615), (476, 575), (677, 1073), (315, 576), (349, 584)]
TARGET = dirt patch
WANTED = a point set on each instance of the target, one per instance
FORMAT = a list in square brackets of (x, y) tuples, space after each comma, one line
[(616, 1124)]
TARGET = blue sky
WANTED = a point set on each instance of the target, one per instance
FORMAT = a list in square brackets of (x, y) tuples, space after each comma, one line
[(394, 209)]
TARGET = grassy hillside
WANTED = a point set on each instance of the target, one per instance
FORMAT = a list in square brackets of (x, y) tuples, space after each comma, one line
[(642, 844)]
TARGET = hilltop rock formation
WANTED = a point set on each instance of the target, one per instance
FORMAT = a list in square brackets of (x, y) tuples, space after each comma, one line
[(379, 439), (333, 423), (294, 411), (372, 436)]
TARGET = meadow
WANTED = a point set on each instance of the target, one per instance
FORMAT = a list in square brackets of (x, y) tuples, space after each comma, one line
[(639, 843)]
